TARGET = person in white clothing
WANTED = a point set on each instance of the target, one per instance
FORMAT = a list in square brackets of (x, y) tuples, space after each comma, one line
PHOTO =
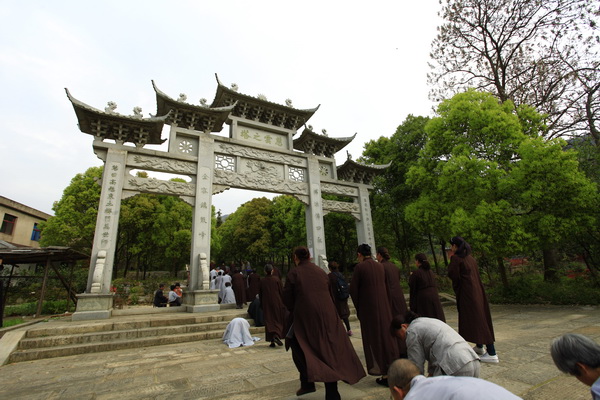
[(237, 334), (228, 295), (406, 382)]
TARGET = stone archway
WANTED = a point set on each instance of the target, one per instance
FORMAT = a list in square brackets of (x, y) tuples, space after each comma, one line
[(259, 154)]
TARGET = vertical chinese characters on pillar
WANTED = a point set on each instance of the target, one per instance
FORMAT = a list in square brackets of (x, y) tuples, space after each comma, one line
[(108, 206)]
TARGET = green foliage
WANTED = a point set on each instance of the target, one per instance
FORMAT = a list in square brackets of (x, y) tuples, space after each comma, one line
[(532, 289), (75, 214), (49, 307), (12, 322), (484, 174), (391, 194)]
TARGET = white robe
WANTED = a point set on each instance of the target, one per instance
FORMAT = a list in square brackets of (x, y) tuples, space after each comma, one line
[(237, 334), (228, 296)]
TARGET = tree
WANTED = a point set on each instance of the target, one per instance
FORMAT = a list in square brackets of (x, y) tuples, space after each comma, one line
[(288, 226), (246, 233), (340, 235), (391, 194), (74, 222), (537, 52), (485, 173)]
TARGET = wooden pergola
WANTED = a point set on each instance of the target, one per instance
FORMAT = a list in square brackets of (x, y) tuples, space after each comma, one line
[(46, 256)]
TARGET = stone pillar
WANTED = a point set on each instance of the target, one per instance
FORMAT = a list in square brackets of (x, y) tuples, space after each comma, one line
[(198, 297), (97, 301), (364, 227), (315, 228)]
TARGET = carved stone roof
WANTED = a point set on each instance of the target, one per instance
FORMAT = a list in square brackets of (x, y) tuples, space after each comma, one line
[(320, 145), (121, 128), (256, 109), (353, 171), (190, 116)]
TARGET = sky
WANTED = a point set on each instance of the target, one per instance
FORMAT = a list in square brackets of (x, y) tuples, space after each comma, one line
[(364, 63)]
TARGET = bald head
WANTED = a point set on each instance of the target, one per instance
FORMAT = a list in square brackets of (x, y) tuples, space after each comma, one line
[(401, 373)]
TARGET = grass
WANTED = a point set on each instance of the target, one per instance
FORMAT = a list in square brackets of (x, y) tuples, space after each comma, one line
[(12, 322)]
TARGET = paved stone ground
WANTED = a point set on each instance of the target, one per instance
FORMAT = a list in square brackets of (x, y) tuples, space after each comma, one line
[(210, 370)]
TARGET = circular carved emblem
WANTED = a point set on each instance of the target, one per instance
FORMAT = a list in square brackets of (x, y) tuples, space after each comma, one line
[(185, 146)]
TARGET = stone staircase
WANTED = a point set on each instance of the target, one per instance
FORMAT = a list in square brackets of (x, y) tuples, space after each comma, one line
[(132, 328), (65, 338)]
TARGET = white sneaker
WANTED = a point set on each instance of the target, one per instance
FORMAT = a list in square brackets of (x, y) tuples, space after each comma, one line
[(486, 358), (479, 350)]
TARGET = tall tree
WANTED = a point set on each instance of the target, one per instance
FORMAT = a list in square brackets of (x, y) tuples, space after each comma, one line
[(486, 174), (74, 220), (391, 194), (543, 53)]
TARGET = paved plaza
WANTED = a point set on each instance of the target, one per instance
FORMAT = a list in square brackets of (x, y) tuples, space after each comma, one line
[(210, 370)]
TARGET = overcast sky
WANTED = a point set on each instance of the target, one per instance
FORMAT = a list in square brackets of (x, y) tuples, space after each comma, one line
[(365, 63)]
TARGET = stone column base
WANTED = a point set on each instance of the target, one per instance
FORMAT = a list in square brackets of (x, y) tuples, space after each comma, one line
[(93, 306), (201, 301)]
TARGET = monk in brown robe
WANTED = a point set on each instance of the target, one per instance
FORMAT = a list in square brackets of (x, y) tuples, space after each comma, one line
[(238, 284), (397, 300), (253, 285), (370, 297), (341, 305), (320, 346), (424, 295), (474, 316), (270, 294)]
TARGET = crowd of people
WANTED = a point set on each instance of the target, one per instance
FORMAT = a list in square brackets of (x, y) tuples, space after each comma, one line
[(408, 347)]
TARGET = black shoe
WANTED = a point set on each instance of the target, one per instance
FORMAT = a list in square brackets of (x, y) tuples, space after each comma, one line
[(382, 381), (272, 344), (276, 340), (306, 389)]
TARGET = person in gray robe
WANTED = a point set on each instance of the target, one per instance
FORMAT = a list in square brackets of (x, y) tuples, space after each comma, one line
[(431, 340)]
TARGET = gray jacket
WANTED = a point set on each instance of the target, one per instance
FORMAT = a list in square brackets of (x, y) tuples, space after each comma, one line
[(431, 340)]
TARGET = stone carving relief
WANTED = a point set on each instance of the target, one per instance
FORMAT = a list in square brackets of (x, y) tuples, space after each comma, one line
[(340, 206), (163, 165), (339, 189), (260, 182), (98, 272), (145, 185), (259, 154)]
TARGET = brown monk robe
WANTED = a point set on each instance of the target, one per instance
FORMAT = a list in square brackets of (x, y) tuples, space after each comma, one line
[(320, 346), (424, 295), (238, 284), (275, 314), (253, 286), (370, 297), (397, 300), (474, 316)]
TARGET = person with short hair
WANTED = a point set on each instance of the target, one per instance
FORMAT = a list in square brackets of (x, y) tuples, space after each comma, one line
[(275, 314), (579, 356), (406, 382), (431, 340), (228, 294), (369, 295), (394, 290), (341, 305), (321, 348), (160, 300), (474, 316), (424, 295)]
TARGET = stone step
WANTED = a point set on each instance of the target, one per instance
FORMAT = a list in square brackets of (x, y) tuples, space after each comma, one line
[(69, 350), (120, 334)]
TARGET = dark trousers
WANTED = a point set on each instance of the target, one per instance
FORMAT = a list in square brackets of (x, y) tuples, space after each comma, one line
[(331, 391)]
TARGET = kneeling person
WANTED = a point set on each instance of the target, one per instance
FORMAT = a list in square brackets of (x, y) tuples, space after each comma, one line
[(406, 382), (431, 340)]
